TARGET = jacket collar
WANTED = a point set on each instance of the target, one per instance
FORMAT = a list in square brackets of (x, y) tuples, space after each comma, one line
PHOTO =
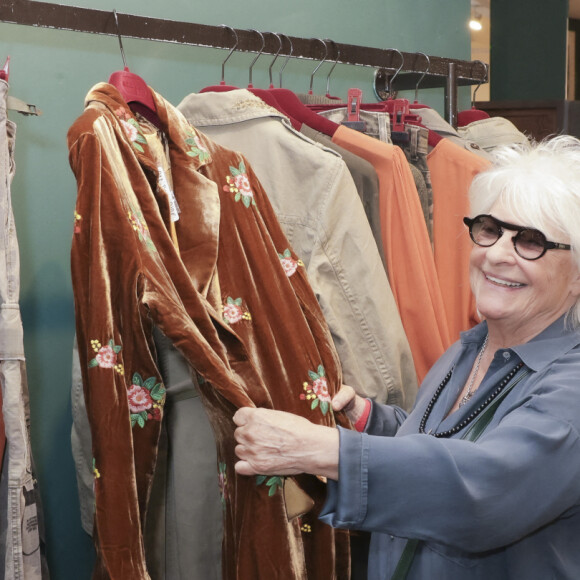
[(239, 105), (186, 145)]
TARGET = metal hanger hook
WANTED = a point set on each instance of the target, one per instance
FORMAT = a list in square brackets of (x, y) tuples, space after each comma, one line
[(259, 53), (397, 71), (287, 58), (319, 64), (120, 39), (422, 75), (483, 80), (333, 66), (275, 57), (232, 50)]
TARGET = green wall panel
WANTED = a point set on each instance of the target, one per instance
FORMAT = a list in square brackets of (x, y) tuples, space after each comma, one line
[(528, 49), (54, 70)]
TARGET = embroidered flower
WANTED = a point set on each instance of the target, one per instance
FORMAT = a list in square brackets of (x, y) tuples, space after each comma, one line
[(317, 390), (77, 223), (233, 311), (96, 473), (196, 147), (289, 264), (223, 483), (138, 224), (239, 184), (273, 483), (131, 128), (106, 357), (146, 399)]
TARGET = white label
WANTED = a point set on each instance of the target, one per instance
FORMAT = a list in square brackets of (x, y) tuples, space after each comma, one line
[(173, 207)]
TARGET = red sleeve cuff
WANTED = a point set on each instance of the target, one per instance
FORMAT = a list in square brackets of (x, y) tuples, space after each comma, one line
[(362, 422)]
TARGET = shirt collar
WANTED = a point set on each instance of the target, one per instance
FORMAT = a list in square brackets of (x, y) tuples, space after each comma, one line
[(553, 342)]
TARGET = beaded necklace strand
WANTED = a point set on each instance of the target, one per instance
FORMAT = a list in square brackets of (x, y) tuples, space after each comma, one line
[(500, 387)]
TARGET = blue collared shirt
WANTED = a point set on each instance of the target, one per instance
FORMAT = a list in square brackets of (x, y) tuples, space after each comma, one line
[(505, 507)]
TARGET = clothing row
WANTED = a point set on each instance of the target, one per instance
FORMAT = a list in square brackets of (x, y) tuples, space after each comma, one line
[(264, 272), (22, 548)]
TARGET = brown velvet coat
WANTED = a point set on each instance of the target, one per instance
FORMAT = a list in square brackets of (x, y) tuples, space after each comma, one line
[(234, 299)]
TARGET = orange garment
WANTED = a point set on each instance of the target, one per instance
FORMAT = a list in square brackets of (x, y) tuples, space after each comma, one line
[(407, 248), (452, 169)]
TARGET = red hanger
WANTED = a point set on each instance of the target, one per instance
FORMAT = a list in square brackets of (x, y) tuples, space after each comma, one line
[(133, 88), (471, 115), (5, 70)]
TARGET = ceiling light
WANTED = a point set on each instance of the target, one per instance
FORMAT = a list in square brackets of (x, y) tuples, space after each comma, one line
[(475, 23)]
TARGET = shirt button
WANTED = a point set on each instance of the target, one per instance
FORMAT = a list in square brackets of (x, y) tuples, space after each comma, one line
[(507, 355)]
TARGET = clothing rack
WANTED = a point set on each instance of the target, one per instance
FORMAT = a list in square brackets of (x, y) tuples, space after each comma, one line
[(442, 72)]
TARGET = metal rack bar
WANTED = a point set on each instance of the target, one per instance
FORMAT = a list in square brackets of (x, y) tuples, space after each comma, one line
[(60, 17)]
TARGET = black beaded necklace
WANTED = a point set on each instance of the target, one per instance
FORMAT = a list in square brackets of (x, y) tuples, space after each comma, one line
[(500, 387)]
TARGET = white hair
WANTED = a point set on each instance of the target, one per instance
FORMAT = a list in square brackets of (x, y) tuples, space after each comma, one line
[(539, 182)]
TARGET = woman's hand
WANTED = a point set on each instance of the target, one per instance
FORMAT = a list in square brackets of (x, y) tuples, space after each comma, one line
[(348, 401), (278, 443)]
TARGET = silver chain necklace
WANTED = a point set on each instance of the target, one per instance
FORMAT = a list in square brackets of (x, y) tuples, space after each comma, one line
[(470, 392)]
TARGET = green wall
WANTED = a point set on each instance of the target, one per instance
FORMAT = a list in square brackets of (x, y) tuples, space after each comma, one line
[(54, 70), (528, 49)]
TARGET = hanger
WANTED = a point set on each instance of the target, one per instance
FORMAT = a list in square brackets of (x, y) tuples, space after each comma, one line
[(5, 70), (293, 107), (310, 92), (222, 86), (416, 100), (250, 85), (328, 95), (273, 61), (471, 115), (132, 87)]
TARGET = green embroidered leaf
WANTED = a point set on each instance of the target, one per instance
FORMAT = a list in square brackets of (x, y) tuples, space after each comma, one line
[(324, 407), (313, 376), (238, 301), (190, 141), (242, 168), (134, 418), (138, 147), (273, 480), (247, 200), (287, 253), (272, 491), (157, 392), (117, 349), (230, 300), (260, 479), (111, 343), (137, 380), (234, 170), (191, 153), (141, 139), (93, 363), (140, 421), (150, 383), (237, 196), (320, 371), (314, 404)]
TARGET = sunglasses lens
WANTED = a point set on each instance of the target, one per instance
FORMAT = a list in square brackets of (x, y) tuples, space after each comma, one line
[(530, 244), (484, 231)]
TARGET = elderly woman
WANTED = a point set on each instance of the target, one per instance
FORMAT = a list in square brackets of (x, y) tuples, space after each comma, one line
[(482, 478)]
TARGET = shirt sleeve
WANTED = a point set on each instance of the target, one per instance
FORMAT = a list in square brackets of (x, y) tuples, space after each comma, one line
[(473, 496)]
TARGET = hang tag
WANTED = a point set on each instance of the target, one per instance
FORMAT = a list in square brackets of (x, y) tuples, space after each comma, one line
[(173, 206)]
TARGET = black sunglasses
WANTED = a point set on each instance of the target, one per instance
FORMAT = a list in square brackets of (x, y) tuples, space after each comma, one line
[(529, 243)]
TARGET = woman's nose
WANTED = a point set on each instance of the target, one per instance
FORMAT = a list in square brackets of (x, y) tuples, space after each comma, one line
[(503, 249)]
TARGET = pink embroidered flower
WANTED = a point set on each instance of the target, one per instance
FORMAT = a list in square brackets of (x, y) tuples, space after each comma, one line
[(139, 399), (122, 113), (130, 130), (320, 389), (106, 357), (243, 184), (290, 266), (232, 313)]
